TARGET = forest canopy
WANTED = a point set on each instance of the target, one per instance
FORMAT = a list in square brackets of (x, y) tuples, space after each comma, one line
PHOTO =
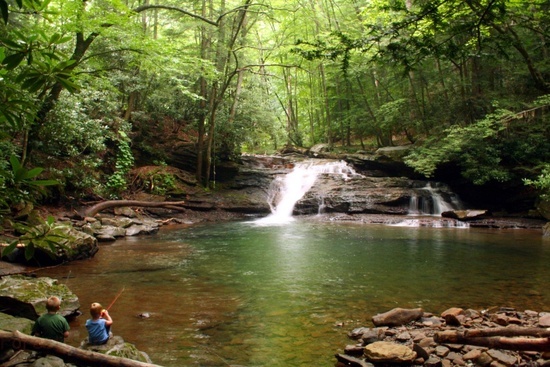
[(88, 88)]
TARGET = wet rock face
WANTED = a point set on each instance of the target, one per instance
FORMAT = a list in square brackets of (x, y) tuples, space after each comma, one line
[(431, 340), (370, 195)]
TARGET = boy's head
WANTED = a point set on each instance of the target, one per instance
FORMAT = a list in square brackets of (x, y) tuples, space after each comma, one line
[(53, 303), (95, 310)]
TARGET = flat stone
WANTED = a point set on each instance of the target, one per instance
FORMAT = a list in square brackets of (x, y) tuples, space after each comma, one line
[(49, 361), (544, 320), (433, 361), (456, 358), (387, 352), (502, 357), (442, 351), (472, 355), (404, 336), (354, 350)]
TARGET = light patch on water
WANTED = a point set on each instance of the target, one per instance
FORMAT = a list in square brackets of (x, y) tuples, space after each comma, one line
[(431, 223)]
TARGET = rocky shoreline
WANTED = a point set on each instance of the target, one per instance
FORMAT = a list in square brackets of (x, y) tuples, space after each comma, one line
[(501, 337)]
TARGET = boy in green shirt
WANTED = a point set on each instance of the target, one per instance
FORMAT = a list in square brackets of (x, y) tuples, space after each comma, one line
[(51, 325)]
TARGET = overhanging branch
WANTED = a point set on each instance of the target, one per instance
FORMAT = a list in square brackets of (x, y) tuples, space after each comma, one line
[(143, 8)]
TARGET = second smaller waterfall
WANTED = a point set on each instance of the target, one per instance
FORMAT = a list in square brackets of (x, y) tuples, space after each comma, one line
[(434, 202)]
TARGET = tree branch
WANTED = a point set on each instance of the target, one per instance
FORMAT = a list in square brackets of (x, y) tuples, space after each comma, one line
[(143, 8)]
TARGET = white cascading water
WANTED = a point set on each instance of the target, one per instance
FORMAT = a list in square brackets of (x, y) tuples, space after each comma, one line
[(433, 206), (285, 191)]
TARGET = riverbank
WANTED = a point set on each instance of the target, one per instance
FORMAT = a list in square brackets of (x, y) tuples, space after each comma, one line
[(501, 337)]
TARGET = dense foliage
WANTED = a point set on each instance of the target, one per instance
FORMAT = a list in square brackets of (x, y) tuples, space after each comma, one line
[(89, 88)]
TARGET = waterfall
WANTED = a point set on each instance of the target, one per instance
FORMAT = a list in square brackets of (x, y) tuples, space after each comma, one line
[(287, 190), (433, 201)]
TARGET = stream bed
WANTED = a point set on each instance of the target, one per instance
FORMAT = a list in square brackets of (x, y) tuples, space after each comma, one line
[(242, 293)]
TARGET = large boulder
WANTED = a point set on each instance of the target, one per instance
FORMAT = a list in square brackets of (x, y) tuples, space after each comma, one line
[(76, 245), (23, 296)]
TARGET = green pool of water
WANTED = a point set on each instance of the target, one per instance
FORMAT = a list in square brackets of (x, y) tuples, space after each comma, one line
[(287, 295)]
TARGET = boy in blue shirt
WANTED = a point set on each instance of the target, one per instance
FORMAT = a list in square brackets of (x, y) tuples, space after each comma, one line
[(99, 325)]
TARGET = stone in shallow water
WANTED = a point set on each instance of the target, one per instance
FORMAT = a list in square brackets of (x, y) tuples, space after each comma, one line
[(387, 352), (397, 316)]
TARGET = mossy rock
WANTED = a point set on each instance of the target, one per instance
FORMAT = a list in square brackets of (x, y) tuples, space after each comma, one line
[(11, 323), (24, 296), (128, 350), (117, 347)]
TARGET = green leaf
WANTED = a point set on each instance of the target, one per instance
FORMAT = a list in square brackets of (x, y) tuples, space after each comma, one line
[(43, 182), (33, 172), (63, 65), (12, 61), (9, 249), (12, 45), (15, 164), (55, 38), (65, 39), (29, 251), (4, 10), (50, 220), (67, 84), (34, 84)]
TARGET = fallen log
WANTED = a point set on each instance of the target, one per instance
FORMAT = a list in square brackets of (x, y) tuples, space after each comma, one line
[(496, 342), (512, 330), (93, 210), (17, 340)]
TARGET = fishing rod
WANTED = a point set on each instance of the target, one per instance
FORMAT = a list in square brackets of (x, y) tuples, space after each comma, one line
[(112, 303), (67, 279)]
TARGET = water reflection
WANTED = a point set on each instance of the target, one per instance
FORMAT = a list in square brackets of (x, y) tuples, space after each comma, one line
[(237, 293)]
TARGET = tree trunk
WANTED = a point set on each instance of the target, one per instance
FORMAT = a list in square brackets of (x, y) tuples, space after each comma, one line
[(18, 340), (508, 331), (90, 212), (496, 342), (328, 122)]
